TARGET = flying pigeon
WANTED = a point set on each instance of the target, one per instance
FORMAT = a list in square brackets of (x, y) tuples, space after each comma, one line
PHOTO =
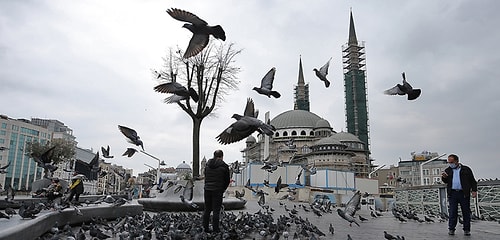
[(179, 92), (45, 159), (266, 85), (105, 152), (322, 72), (405, 89), (297, 179), (2, 169), (3, 148), (129, 152), (187, 195), (131, 135), (350, 209), (279, 185), (244, 126), (200, 29)]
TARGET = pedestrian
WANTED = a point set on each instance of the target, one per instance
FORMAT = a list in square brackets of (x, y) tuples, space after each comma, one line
[(460, 186), (76, 188), (216, 183), (54, 190)]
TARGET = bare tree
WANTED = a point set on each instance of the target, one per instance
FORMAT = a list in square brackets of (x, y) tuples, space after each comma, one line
[(212, 73)]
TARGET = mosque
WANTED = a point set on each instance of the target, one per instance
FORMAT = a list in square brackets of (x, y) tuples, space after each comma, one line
[(304, 137)]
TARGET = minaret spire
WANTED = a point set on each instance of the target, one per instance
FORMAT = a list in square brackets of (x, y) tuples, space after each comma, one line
[(301, 73), (301, 91), (353, 40)]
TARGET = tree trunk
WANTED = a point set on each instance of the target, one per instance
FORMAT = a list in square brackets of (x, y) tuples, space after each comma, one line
[(196, 147)]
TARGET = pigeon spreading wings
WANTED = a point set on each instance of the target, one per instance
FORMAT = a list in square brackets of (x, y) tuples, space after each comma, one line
[(322, 72), (45, 159), (131, 135), (129, 152), (350, 209), (105, 152), (279, 185), (179, 92), (266, 85), (404, 89), (187, 195), (245, 126), (200, 29)]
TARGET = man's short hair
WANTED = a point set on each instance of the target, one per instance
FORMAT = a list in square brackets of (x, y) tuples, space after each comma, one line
[(218, 153), (455, 157)]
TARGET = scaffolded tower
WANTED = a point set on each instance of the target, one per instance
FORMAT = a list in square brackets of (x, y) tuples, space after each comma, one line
[(301, 91), (356, 103)]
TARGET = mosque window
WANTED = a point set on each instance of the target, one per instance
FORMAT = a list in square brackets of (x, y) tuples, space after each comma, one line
[(302, 133), (311, 133), (277, 134), (294, 133), (285, 133)]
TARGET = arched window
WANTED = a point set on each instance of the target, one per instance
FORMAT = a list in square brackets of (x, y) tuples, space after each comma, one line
[(285, 133), (277, 134), (311, 133), (294, 133), (302, 133)]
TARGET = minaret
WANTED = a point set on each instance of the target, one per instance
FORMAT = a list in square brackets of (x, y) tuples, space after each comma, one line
[(356, 103), (301, 91)]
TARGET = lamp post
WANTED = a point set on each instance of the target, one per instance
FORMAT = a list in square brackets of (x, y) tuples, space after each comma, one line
[(422, 168), (372, 172), (160, 163)]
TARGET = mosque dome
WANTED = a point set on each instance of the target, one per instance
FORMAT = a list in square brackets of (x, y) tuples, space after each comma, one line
[(296, 118), (322, 123), (328, 141), (183, 166), (346, 137)]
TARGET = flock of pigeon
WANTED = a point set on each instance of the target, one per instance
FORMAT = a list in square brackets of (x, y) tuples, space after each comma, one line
[(248, 123)]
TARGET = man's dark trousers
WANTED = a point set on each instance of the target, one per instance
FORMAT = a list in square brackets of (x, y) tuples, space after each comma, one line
[(457, 198), (213, 202)]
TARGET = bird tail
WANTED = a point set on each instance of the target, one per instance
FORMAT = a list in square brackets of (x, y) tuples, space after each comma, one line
[(193, 94), (327, 83), (219, 33), (414, 94), (275, 94), (267, 129)]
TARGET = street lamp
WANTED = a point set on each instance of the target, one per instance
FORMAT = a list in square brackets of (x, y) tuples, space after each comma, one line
[(422, 168), (372, 172), (160, 163)]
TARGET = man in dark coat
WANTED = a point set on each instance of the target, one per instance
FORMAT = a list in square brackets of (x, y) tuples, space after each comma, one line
[(460, 186), (216, 182)]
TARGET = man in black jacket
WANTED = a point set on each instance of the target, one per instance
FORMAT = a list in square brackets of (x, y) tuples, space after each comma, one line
[(216, 182), (460, 185)]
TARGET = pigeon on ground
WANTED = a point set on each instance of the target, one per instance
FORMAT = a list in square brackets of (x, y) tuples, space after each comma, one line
[(350, 209), (105, 152), (239, 195), (362, 219), (200, 29), (129, 152), (131, 135), (119, 201), (322, 72), (266, 85), (180, 92), (45, 159), (279, 185), (244, 126), (405, 89), (10, 211), (4, 215), (2, 169), (389, 236)]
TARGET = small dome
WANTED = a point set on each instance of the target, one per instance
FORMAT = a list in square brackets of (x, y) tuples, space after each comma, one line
[(322, 123), (251, 139), (295, 118), (328, 141), (346, 137), (183, 165)]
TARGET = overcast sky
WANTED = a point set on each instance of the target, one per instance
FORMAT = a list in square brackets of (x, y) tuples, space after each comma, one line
[(88, 64)]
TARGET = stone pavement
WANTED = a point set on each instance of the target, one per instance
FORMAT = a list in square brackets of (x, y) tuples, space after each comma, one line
[(374, 228)]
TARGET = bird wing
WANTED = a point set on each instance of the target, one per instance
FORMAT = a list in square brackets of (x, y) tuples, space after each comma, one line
[(170, 87), (130, 133), (185, 16), (188, 190), (267, 81), (197, 43), (174, 99), (394, 91), (249, 108), (239, 130), (47, 155), (353, 204), (324, 70), (6, 166)]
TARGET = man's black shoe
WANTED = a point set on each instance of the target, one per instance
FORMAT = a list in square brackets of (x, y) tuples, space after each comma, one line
[(451, 232)]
